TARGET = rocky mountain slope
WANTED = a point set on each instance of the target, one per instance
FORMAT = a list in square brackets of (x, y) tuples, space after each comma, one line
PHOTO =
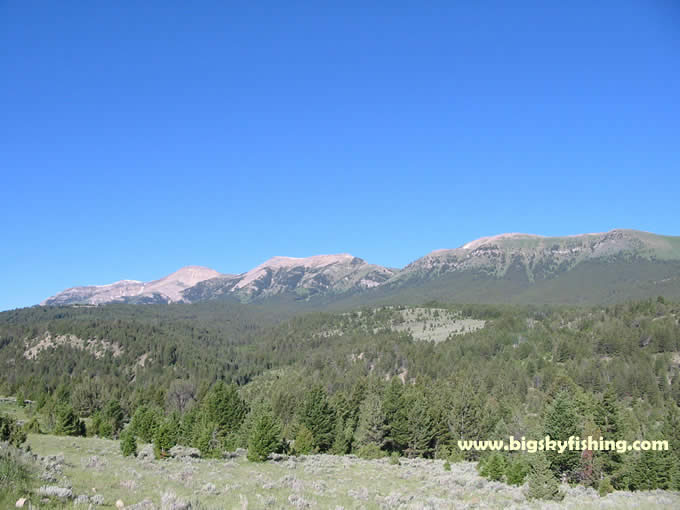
[(303, 277), (166, 290), (621, 264), (541, 258), (589, 268)]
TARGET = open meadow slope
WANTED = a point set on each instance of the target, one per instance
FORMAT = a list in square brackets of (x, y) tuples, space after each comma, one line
[(97, 474)]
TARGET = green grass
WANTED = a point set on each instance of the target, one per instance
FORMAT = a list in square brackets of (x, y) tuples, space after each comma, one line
[(11, 408)]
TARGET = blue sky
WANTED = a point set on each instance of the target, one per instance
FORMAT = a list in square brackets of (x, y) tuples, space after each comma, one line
[(136, 139)]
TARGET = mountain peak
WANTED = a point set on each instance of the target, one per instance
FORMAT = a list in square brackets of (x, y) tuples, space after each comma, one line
[(166, 289), (313, 261), (484, 240), (193, 273), (278, 263)]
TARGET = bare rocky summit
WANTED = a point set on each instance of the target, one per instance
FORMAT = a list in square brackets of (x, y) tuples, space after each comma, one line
[(166, 290)]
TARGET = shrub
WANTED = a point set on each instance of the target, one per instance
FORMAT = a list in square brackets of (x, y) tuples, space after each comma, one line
[(32, 426), (128, 443), (394, 459), (15, 475), (605, 487), (95, 424), (105, 429), (447, 466), (10, 431), (371, 451)]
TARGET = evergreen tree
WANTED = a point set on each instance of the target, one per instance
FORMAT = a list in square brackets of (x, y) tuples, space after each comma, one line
[(542, 483), (304, 441), (342, 441), (493, 467), (671, 433), (605, 487), (10, 431), (420, 430), (145, 422), (517, 470), (265, 437), (224, 407), (128, 443), (608, 420), (650, 471), (674, 474), (396, 419), (371, 427), (466, 416), (318, 417), (165, 438), (206, 439), (560, 422), (67, 423), (114, 416)]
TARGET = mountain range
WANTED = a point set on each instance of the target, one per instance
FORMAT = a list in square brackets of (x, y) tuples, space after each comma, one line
[(603, 267)]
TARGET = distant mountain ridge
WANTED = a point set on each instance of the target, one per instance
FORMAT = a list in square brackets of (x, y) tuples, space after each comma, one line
[(505, 267), (166, 290)]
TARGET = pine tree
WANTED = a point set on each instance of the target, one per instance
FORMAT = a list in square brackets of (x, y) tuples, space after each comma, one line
[(128, 443), (10, 431), (560, 422), (650, 471), (420, 430), (674, 474), (206, 439), (317, 415), (342, 441), (517, 470), (145, 422), (67, 423), (165, 438), (224, 407), (396, 419), (608, 420), (304, 441), (542, 483), (671, 433), (605, 487), (265, 437), (466, 417), (114, 415), (371, 427), (493, 467)]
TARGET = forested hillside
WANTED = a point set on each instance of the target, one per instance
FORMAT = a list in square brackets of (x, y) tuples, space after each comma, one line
[(407, 380)]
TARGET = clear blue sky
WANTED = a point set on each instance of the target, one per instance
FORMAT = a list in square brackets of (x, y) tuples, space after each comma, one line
[(139, 137)]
